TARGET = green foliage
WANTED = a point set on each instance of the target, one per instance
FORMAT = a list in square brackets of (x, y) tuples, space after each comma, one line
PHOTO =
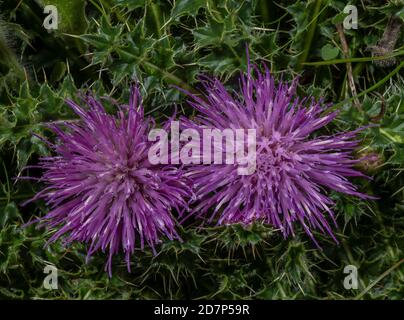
[(71, 14), (103, 45)]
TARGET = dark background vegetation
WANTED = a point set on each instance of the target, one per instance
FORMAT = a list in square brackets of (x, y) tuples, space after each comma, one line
[(102, 45)]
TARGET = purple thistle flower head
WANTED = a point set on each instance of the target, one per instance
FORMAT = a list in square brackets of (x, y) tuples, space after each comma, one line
[(294, 169), (102, 189)]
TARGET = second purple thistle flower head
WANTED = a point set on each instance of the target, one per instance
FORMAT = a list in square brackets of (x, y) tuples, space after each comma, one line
[(294, 170)]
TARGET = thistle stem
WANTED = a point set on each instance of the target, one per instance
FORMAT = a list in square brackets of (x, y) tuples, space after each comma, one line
[(156, 15), (309, 35), (351, 81), (345, 60), (370, 89), (384, 274)]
